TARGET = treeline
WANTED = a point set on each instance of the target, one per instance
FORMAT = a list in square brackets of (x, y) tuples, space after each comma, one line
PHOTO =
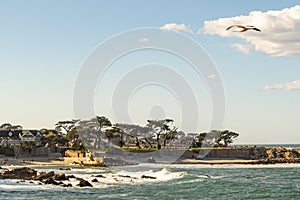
[(100, 133)]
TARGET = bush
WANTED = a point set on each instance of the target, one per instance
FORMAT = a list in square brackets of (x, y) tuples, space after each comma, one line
[(9, 152)]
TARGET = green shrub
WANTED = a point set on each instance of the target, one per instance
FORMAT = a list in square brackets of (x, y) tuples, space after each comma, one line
[(9, 152)]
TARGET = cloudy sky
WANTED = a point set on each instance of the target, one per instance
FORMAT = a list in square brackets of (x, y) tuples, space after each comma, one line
[(45, 43)]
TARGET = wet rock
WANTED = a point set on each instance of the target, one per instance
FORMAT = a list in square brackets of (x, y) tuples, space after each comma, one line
[(60, 177), (67, 185), (95, 180), (50, 181), (148, 177), (24, 173), (84, 183), (100, 176), (70, 176), (44, 175), (124, 176), (79, 179), (68, 168)]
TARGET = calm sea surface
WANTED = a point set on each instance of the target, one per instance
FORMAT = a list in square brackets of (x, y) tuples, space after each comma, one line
[(280, 181)]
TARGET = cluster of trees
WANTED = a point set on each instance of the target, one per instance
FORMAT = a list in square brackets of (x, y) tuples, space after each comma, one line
[(215, 138), (8, 126), (99, 133)]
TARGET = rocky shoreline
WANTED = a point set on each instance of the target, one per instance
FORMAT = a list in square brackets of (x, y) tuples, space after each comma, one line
[(42, 178), (30, 175)]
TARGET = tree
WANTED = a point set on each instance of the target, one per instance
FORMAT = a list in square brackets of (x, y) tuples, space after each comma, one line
[(64, 127), (200, 139), (162, 130), (103, 121), (226, 138), (114, 132), (139, 134), (216, 138), (8, 126)]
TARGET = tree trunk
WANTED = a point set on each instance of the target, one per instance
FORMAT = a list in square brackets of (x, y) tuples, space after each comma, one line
[(158, 143), (148, 142)]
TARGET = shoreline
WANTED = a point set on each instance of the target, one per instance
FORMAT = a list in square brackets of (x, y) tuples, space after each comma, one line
[(216, 161)]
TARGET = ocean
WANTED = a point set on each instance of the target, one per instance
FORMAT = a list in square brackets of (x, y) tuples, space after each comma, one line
[(173, 181)]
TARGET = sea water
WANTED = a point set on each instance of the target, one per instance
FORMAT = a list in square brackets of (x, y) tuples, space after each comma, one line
[(279, 181)]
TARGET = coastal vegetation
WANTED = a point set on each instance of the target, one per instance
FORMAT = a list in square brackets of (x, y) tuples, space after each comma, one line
[(100, 133)]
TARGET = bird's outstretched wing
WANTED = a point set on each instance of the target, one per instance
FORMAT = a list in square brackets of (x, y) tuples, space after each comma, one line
[(242, 28), (256, 29)]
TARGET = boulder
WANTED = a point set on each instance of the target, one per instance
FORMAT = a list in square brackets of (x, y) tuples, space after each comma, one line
[(24, 173), (67, 185), (148, 177), (84, 183), (68, 168), (100, 176), (50, 181), (43, 176), (60, 177), (70, 176), (95, 180)]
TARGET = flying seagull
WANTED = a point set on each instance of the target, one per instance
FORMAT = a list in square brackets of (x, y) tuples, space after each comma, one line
[(240, 28)]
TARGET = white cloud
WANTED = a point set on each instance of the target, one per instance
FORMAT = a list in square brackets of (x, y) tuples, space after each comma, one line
[(176, 27), (241, 47), (211, 76), (144, 40), (279, 34), (295, 85)]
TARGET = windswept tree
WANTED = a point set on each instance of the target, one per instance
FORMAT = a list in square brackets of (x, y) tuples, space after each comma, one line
[(63, 127), (163, 130), (114, 135), (103, 122), (215, 138), (226, 138), (91, 131), (137, 135)]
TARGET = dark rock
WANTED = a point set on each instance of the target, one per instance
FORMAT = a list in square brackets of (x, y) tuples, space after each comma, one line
[(84, 183), (50, 181), (124, 176), (68, 168), (79, 179), (30, 182), (60, 177), (67, 185), (148, 177), (95, 180), (70, 176), (24, 173), (100, 176), (44, 175)]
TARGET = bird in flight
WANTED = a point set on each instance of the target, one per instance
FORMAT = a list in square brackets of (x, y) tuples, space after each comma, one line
[(240, 28)]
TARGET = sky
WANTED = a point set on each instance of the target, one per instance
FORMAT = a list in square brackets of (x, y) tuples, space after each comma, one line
[(44, 45)]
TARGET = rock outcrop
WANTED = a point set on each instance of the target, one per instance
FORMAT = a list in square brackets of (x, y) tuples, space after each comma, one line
[(84, 183), (23, 173)]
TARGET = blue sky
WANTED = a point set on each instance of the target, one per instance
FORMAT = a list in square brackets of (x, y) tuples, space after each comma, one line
[(44, 43)]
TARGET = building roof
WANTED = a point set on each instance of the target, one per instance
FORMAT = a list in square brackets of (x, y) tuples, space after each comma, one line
[(17, 133), (10, 133)]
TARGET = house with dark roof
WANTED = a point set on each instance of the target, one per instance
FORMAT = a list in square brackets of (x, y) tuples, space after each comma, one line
[(15, 137)]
